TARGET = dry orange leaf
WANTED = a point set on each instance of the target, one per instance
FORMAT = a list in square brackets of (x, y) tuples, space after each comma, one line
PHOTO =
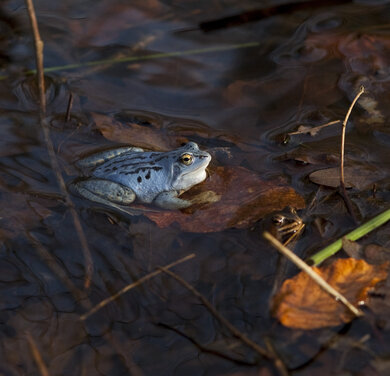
[(243, 198), (302, 304)]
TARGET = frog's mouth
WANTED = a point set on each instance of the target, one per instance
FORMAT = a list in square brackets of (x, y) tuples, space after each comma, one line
[(199, 169)]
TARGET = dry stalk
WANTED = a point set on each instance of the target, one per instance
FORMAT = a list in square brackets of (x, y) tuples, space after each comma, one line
[(311, 273), (361, 91), (314, 130), (37, 356), (132, 285), (38, 56), (279, 364), (50, 148), (69, 108), (342, 182)]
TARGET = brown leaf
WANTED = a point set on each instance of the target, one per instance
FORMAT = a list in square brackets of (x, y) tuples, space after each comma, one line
[(360, 177), (367, 59), (302, 304), (376, 254), (372, 253), (243, 198), (352, 249), (161, 135), (312, 155), (147, 136)]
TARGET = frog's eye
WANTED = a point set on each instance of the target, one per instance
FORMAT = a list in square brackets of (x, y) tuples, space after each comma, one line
[(186, 159), (278, 219)]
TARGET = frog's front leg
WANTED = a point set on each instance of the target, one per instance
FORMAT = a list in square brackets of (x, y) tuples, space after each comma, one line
[(105, 192), (169, 200), (97, 159)]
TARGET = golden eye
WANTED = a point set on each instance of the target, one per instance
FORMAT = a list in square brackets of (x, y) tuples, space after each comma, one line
[(186, 159)]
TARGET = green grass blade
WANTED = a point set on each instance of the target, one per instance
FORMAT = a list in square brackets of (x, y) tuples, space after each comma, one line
[(130, 59), (353, 235)]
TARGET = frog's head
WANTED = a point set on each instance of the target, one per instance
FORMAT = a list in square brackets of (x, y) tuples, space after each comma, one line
[(189, 166)]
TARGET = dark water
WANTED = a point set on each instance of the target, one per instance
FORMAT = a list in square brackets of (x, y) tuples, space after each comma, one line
[(280, 69)]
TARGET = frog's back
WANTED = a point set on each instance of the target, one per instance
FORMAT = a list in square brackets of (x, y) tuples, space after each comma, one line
[(146, 173)]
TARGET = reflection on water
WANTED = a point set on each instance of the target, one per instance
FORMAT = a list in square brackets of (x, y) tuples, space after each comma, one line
[(304, 66)]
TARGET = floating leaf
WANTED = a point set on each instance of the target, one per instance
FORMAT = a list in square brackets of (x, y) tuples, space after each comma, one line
[(376, 254), (367, 59), (156, 133), (360, 177), (239, 199), (144, 135), (302, 304), (312, 153)]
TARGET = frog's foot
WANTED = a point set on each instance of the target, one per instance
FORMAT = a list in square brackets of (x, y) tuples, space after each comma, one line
[(169, 200), (105, 192), (207, 197), (97, 159)]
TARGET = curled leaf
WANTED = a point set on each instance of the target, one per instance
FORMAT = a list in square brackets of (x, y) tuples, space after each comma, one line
[(302, 304)]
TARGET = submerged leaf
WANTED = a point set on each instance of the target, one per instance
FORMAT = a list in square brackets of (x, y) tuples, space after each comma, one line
[(302, 304), (147, 136), (352, 249), (239, 199), (157, 133), (360, 177)]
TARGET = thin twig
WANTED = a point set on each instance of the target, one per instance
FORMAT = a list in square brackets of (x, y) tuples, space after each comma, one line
[(342, 182), (69, 107), (314, 130), (311, 273), (210, 350), (38, 56), (279, 364), (233, 330), (356, 234), (52, 264), (37, 356), (50, 148), (343, 134), (161, 55), (132, 285)]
